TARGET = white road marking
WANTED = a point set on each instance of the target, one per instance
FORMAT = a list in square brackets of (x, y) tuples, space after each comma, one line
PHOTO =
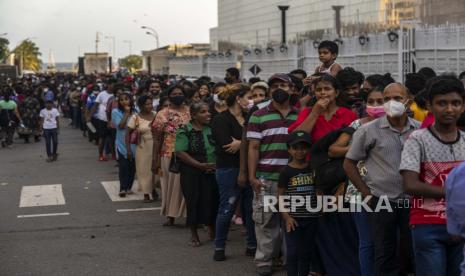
[(4, 184), (44, 215), (138, 209), (112, 189), (42, 195)]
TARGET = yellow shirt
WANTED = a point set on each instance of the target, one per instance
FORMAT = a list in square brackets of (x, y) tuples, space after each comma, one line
[(419, 113)]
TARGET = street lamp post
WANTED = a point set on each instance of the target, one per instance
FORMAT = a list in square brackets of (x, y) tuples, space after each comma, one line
[(129, 42), (152, 33), (113, 38), (283, 10)]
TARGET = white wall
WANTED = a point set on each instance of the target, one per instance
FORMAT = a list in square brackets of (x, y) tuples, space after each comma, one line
[(441, 48)]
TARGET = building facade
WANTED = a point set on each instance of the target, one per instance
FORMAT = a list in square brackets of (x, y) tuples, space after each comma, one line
[(249, 23), (157, 61)]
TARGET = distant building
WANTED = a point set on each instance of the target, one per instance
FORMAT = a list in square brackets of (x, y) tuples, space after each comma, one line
[(256, 22), (157, 61), (96, 63), (439, 12)]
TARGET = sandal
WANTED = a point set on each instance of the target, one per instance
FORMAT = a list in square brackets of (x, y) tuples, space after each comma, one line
[(147, 199), (194, 243), (168, 223)]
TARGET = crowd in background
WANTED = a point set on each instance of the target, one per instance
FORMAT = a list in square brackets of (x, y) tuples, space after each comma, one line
[(211, 151)]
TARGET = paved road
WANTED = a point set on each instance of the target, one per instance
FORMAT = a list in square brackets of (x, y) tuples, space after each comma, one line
[(88, 236)]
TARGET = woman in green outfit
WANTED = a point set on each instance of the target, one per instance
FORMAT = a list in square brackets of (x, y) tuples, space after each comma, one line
[(195, 154)]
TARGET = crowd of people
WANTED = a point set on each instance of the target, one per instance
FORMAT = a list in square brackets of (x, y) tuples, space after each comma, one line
[(218, 150)]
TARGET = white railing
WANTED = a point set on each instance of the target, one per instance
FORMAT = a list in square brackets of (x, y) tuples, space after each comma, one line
[(441, 48)]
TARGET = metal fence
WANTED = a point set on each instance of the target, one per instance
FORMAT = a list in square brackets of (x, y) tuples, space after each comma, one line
[(441, 48)]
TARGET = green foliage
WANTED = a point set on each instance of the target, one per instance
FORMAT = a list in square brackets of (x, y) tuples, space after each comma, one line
[(4, 51), (28, 53), (132, 62)]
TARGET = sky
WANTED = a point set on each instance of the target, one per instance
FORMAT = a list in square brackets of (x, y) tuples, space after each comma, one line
[(68, 28)]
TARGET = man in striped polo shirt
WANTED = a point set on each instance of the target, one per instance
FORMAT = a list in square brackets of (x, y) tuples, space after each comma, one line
[(267, 135)]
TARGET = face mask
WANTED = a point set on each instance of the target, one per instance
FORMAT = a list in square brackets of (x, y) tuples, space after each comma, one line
[(217, 100), (45, 89), (280, 96), (375, 111), (250, 105), (354, 101), (394, 108), (177, 100)]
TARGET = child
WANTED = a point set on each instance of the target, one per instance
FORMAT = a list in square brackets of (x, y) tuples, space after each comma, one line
[(427, 158), (50, 125), (297, 180), (327, 53)]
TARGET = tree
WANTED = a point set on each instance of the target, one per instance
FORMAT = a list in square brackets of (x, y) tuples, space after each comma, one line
[(4, 51), (29, 55), (132, 62)]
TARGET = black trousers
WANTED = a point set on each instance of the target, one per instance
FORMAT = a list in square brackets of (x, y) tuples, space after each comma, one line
[(393, 251), (127, 172), (201, 195)]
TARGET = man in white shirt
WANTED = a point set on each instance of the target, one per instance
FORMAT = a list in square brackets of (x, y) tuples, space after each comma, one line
[(50, 124), (100, 108)]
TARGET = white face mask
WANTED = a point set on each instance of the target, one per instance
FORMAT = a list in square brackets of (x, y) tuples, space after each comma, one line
[(217, 100), (250, 105), (394, 108)]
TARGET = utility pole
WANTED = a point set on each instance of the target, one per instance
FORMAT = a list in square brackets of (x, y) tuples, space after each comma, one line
[(96, 42)]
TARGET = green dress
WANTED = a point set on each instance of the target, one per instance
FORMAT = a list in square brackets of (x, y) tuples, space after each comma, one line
[(198, 187)]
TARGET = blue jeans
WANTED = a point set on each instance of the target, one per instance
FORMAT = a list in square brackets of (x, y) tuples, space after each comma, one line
[(436, 254), (365, 239), (301, 246), (51, 141), (76, 116), (462, 267), (230, 192)]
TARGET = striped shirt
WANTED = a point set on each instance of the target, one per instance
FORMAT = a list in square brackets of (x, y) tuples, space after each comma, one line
[(269, 127)]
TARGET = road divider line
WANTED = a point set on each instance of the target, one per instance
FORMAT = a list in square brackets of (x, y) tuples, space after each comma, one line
[(138, 209), (44, 215)]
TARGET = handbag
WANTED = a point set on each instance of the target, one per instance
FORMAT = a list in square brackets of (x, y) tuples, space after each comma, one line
[(22, 130), (134, 137), (174, 164)]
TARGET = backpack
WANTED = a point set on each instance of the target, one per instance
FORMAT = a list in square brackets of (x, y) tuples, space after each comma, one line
[(329, 172)]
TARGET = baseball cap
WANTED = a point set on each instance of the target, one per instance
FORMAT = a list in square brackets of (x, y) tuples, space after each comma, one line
[(298, 137), (260, 84), (280, 77)]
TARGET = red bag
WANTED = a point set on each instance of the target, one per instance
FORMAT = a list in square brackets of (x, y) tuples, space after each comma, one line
[(134, 137)]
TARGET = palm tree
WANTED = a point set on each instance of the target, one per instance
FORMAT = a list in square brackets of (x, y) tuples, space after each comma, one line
[(28, 54), (4, 52)]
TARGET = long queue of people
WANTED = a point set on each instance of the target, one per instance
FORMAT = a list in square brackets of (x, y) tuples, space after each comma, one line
[(223, 150)]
